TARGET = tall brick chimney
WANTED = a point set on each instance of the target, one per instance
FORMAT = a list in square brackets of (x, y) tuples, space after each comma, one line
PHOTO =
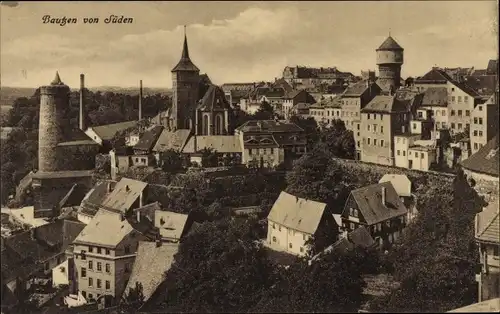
[(140, 100), (82, 105)]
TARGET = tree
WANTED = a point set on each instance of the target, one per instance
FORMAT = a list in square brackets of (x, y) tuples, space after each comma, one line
[(436, 257), (209, 157), (265, 112), (310, 127), (172, 161), (338, 140), (220, 267)]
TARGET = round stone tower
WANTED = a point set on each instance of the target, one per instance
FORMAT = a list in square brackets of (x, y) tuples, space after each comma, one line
[(54, 98), (389, 61)]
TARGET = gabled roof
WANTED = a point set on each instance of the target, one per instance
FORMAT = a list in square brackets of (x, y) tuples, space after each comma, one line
[(106, 228), (435, 75), (484, 85), (386, 104), (175, 140), (149, 210), (358, 88), (488, 223), (74, 196), (185, 64), (170, 224), (269, 126), (220, 143), (390, 44), (149, 138), (71, 230), (485, 160), (369, 200), (124, 195), (492, 67), (400, 182), (108, 131), (150, 266), (488, 306), (435, 96), (297, 213), (94, 198), (266, 141), (214, 99)]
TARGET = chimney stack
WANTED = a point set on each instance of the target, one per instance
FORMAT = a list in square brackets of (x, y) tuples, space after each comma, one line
[(82, 105), (33, 234), (138, 216), (140, 100), (383, 195)]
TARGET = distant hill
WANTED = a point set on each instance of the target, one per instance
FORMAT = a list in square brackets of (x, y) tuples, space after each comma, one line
[(9, 94)]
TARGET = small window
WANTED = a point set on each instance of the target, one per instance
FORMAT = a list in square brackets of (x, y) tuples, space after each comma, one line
[(99, 250), (460, 126), (368, 116), (274, 239), (453, 112), (475, 132), (301, 249), (374, 141), (274, 225), (374, 128), (99, 283), (91, 265), (467, 113), (290, 245), (91, 249), (381, 128), (414, 126), (459, 113), (480, 108), (108, 268), (368, 127), (368, 141), (108, 285), (108, 252), (99, 266), (443, 113), (279, 228), (480, 120), (127, 249), (404, 153), (398, 152), (480, 133), (453, 125), (84, 273), (475, 145), (91, 283), (381, 117), (466, 99)]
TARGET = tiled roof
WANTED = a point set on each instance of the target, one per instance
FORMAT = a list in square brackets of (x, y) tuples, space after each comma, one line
[(108, 131), (214, 99), (386, 104), (170, 224), (485, 160), (369, 200), (434, 75), (11, 263), (95, 196), (74, 196), (71, 230), (220, 143), (149, 138), (484, 85), (302, 106), (361, 237), (284, 84), (488, 306), (269, 126), (400, 182), (106, 228), (285, 139), (149, 210), (171, 140), (435, 96), (124, 195), (492, 67), (390, 44), (357, 89), (488, 223), (297, 213), (150, 266)]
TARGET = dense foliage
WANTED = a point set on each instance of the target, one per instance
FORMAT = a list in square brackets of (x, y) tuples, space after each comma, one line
[(436, 258), (221, 267)]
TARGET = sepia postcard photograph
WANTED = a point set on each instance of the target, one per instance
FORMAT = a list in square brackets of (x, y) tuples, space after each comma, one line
[(249, 157)]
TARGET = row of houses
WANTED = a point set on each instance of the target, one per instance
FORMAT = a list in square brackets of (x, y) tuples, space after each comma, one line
[(382, 210)]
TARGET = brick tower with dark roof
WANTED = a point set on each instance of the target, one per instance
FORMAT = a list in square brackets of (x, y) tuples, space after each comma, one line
[(389, 61), (185, 85)]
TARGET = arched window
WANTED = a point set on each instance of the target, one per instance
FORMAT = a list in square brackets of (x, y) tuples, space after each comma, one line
[(205, 125), (218, 125)]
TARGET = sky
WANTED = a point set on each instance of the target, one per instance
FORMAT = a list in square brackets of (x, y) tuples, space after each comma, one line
[(236, 41)]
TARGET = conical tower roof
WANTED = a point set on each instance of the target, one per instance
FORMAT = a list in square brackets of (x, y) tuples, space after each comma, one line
[(390, 44), (185, 64), (57, 80)]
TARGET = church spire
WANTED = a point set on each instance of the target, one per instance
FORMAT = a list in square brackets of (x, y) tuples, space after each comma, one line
[(57, 80), (185, 64), (185, 50)]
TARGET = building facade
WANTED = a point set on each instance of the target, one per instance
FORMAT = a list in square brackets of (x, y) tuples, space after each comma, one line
[(484, 125), (389, 61)]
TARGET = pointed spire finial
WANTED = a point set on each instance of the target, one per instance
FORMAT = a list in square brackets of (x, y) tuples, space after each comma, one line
[(57, 80), (185, 50), (389, 32)]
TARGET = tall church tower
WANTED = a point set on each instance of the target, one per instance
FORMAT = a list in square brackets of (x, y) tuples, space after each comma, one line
[(389, 61), (185, 85)]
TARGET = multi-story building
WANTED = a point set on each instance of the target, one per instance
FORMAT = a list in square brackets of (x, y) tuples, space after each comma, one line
[(292, 221), (484, 124), (293, 98), (421, 157), (313, 76), (355, 98), (487, 229), (267, 143), (382, 119), (461, 102), (379, 209), (402, 143), (436, 100)]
